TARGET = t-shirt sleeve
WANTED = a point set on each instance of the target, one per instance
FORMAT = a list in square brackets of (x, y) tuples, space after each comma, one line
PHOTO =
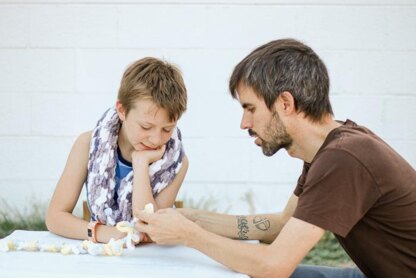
[(337, 192), (301, 180)]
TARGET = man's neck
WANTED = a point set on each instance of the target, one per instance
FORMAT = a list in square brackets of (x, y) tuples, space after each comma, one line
[(308, 137)]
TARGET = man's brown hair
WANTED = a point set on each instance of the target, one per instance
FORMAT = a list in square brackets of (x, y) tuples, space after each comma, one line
[(286, 65), (160, 81)]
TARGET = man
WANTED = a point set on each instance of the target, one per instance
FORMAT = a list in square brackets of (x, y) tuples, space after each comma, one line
[(352, 184)]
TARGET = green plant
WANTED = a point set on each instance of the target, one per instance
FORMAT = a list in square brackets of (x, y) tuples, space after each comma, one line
[(11, 219), (328, 252), (204, 203), (248, 197)]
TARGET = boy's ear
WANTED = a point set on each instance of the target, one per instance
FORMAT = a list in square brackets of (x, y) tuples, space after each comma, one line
[(285, 103), (120, 111)]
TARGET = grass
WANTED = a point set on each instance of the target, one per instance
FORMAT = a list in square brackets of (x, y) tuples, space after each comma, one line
[(30, 219), (327, 252)]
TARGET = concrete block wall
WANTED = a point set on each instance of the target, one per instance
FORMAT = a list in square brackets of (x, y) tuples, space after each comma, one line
[(61, 63)]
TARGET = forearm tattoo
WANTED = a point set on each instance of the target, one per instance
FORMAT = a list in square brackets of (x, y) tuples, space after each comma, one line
[(242, 225), (261, 223)]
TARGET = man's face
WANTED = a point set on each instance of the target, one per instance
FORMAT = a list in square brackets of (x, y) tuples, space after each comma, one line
[(263, 124)]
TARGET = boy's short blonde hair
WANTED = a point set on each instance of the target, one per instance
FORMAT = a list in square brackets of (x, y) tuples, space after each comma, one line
[(157, 80)]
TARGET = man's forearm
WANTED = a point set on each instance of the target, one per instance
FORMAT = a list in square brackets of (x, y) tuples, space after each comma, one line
[(256, 260), (263, 227), (278, 259)]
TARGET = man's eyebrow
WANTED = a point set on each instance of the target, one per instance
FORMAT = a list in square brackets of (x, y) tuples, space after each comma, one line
[(246, 105)]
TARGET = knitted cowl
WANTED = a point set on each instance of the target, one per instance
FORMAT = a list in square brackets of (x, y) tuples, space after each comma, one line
[(101, 183)]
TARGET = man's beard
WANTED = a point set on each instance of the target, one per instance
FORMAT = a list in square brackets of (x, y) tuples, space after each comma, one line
[(275, 136)]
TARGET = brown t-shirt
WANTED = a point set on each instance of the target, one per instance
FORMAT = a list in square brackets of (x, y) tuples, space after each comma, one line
[(360, 189)]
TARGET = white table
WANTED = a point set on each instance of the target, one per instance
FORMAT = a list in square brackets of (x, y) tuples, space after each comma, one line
[(149, 260)]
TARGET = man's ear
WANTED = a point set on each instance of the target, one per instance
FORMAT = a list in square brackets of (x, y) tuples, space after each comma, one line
[(121, 111), (285, 103)]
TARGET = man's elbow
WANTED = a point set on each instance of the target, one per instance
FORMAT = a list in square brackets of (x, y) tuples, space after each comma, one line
[(274, 271), (273, 267)]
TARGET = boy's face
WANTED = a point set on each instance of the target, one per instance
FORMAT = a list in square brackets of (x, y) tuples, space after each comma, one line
[(146, 126)]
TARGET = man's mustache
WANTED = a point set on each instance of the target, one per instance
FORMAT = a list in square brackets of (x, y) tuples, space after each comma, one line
[(252, 133)]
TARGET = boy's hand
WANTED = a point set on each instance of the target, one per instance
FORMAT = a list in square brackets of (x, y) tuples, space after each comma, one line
[(147, 156)]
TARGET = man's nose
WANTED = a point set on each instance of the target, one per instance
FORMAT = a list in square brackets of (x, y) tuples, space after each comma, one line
[(245, 123)]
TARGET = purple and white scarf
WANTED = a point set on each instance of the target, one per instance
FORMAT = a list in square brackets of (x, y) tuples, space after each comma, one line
[(101, 183)]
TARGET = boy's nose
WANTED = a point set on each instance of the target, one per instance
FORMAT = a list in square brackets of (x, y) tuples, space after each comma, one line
[(155, 140)]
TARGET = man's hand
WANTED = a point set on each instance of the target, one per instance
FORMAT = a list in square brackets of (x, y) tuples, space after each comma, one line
[(147, 156), (191, 214), (166, 226)]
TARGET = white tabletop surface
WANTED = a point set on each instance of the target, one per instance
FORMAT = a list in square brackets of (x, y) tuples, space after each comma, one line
[(149, 260)]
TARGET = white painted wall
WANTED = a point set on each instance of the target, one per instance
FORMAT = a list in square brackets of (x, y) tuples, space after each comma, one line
[(61, 64)]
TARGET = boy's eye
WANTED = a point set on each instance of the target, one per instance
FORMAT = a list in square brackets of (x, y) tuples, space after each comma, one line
[(145, 127), (251, 110), (167, 130)]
